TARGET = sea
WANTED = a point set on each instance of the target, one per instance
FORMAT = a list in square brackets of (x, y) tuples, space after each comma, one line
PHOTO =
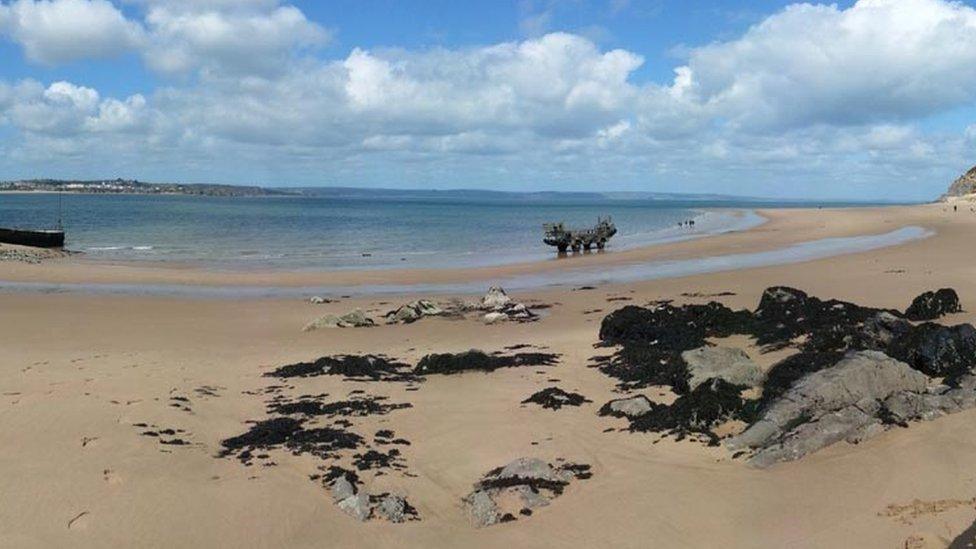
[(350, 230)]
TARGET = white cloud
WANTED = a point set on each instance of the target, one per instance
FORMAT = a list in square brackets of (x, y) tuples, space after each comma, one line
[(58, 31), (227, 37), (878, 60)]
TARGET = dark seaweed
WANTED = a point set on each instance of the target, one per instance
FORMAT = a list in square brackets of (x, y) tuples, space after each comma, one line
[(555, 398), (453, 363), (351, 366)]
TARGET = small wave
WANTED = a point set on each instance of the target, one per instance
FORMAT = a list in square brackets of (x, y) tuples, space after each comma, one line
[(117, 248)]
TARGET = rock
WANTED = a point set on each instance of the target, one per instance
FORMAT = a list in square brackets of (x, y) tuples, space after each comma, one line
[(849, 423), (937, 350), (496, 298), (392, 508), (523, 484), (482, 508), (932, 305), (494, 318), (357, 506), (826, 406), (527, 468), (627, 407), (880, 330), (352, 319), (965, 185), (531, 499), (732, 365), (697, 412), (413, 311), (342, 489)]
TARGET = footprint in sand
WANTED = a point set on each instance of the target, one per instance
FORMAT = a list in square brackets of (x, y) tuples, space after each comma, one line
[(79, 521), (111, 477)]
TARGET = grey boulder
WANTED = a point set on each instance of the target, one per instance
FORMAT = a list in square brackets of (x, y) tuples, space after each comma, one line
[(357, 506), (631, 407), (726, 363), (837, 403), (352, 319)]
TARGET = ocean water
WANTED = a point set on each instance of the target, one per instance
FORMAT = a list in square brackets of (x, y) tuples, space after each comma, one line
[(337, 232)]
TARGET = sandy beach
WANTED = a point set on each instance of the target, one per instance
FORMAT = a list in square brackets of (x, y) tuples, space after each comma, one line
[(85, 376)]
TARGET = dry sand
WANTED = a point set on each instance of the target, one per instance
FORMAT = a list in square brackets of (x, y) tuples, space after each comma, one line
[(76, 371)]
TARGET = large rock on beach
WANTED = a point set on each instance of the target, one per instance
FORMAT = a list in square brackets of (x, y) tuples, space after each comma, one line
[(879, 331), (517, 488), (631, 407), (342, 489), (937, 350), (840, 402), (413, 311), (496, 298), (728, 363), (352, 319)]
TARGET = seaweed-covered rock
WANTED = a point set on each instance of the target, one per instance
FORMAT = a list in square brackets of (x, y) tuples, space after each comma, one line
[(781, 377), (784, 314), (523, 484), (937, 350), (726, 363), (676, 328), (932, 305), (879, 331), (858, 370), (474, 360), (639, 364), (555, 398), (696, 412), (627, 407)]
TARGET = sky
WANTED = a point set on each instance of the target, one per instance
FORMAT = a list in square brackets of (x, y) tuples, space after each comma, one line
[(873, 99)]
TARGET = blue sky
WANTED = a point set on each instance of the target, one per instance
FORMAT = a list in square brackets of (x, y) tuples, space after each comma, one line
[(873, 99)]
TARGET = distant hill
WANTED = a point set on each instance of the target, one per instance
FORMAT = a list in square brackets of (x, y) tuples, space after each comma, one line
[(965, 185), (481, 194), (132, 186)]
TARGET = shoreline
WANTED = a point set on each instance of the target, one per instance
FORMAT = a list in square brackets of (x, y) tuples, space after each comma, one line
[(798, 253), (784, 228)]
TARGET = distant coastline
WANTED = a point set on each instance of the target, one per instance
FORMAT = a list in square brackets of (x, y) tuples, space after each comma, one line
[(136, 187), (133, 186)]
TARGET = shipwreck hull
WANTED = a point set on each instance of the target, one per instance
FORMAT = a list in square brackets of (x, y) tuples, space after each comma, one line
[(37, 238)]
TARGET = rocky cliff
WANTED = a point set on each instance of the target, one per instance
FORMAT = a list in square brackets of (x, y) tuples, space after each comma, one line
[(966, 184)]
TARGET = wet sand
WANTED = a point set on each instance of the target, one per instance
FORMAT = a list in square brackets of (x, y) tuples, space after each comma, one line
[(79, 370)]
